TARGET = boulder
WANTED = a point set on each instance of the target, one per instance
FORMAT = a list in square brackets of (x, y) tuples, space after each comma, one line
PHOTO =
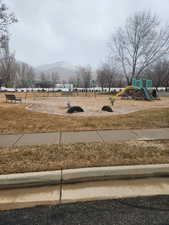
[(75, 109), (107, 108)]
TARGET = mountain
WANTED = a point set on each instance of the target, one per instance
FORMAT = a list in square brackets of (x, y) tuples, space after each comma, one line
[(65, 70)]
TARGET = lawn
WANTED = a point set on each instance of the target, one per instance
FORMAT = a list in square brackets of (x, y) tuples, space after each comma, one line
[(54, 157), (15, 119)]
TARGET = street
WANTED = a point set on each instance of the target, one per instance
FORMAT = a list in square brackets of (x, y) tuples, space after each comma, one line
[(133, 211)]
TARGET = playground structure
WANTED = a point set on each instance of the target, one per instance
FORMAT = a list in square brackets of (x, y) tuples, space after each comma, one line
[(138, 91)]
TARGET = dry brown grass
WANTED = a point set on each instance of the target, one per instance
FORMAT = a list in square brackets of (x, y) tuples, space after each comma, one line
[(54, 157), (14, 119), (29, 95), (41, 94)]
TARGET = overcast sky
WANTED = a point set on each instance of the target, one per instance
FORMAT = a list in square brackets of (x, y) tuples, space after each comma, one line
[(75, 31)]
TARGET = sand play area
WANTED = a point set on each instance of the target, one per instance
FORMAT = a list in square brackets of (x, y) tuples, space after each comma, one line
[(92, 106)]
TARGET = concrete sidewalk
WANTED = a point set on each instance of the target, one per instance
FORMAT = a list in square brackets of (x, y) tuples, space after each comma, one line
[(102, 136)]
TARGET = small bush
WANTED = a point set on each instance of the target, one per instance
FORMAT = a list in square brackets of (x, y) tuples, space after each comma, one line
[(68, 105), (112, 100), (107, 108), (75, 109)]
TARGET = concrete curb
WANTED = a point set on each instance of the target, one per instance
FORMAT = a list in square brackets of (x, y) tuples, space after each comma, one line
[(82, 175), (23, 180), (114, 173)]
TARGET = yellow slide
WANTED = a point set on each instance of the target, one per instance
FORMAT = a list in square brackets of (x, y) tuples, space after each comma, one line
[(121, 92)]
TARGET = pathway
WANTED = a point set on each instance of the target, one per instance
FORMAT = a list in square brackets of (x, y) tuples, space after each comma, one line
[(102, 136)]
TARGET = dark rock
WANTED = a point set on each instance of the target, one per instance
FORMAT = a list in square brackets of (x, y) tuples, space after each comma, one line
[(107, 108), (75, 109)]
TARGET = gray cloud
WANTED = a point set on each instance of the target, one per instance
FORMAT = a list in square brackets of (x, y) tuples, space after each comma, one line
[(75, 31)]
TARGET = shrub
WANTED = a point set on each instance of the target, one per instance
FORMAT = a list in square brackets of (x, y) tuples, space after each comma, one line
[(112, 100)]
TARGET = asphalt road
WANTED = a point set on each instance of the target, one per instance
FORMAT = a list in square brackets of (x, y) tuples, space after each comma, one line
[(136, 211)]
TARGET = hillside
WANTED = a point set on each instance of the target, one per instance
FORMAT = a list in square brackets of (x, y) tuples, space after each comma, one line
[(65, 70)]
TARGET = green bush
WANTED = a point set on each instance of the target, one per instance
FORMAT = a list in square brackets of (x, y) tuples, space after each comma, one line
[(112, 100)]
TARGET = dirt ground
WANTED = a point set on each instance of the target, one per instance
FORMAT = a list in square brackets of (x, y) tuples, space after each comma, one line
[(92, 106), (54, 103)]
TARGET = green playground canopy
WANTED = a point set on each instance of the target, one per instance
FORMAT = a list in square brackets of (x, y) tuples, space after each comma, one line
[(142, 83)]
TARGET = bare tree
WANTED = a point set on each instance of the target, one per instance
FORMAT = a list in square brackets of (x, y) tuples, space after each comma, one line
[(54, 78), (159, 73), (75, 80), (7, 60), (44, 81), (101, 78), (43, 77), (24, 75), (5, 19), (8, 70), (109, 75), (139, 44), (85, 75), (106, 76)]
